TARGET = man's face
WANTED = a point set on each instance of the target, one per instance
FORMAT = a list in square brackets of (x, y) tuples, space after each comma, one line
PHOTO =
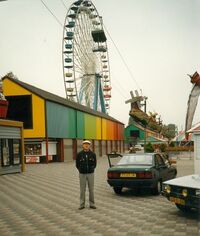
[(86, 146)]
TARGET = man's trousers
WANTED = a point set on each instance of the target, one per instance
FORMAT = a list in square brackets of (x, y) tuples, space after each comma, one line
[(86, 179)]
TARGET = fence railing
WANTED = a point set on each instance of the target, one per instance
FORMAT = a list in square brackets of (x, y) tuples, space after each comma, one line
[(181, 155)]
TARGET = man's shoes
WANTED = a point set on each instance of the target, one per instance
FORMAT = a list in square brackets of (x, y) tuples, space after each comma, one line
[(93, 207), (81, 208)]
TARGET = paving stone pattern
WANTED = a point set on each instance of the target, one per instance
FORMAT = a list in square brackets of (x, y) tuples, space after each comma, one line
[(44, 200)]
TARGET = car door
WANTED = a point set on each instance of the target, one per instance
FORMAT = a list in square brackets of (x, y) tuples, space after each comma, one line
[(161, 168)]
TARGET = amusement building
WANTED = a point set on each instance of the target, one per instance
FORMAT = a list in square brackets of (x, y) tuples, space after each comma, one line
[(37, 126), (53, 127), (49, 128)]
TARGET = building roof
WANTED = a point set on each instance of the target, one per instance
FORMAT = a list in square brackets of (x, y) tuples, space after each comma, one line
[(136, 125), (194, 129), (157, 140), (60, 100), (182, 137)]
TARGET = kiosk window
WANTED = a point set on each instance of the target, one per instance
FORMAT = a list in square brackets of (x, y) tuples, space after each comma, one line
[(5, 153), (10, 152), (16, 151), (33, 149)]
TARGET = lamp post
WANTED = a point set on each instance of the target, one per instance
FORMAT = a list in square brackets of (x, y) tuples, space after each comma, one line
[(145, 126)]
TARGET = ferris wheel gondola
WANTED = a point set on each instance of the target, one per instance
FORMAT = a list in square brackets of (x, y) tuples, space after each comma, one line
[(85, 57)]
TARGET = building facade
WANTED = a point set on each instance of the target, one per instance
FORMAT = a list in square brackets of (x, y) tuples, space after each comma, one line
[(136, 134), (55, 127)]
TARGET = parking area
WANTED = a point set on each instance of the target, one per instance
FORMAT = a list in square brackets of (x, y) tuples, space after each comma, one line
[(44, 200)]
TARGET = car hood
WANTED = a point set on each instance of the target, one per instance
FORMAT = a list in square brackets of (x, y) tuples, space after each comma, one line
[(189, 181), (130, 168)]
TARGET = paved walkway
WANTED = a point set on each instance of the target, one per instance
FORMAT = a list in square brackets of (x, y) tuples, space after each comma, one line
[(44, 201)]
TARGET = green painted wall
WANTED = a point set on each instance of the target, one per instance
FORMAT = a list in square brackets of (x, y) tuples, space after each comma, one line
[(61, 121), (80, 125), (132, 127)]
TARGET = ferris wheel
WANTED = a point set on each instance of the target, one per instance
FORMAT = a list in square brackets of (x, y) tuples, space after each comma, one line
[(85, 57)]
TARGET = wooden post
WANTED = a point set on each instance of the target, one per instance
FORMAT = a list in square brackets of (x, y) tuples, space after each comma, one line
[(47, 151), (111, 146), (61, 150), (93, 145), (22, 151), (74, 148), (100, 148)]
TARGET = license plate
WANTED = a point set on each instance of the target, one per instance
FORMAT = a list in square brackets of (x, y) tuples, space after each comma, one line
[(124, 175), (177, 200)]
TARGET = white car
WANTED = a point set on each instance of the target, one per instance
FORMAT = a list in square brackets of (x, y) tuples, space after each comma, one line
[(184, 192), (138, 147)]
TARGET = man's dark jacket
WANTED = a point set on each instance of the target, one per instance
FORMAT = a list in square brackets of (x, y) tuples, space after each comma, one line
[(86, 162)]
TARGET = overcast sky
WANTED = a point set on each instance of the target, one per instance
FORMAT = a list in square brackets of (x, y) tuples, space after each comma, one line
[(158, 40)]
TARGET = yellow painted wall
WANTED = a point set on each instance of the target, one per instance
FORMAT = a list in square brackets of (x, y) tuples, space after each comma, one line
[(38, 111), (98, 128), (12, 89), (38, 108)]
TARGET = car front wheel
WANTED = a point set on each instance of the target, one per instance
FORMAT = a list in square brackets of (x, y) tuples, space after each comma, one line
[(157, 189), (183, 208), (117, 190)]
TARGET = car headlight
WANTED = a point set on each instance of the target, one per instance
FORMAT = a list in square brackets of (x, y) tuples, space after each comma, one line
[(167, 189), (184, 192), (197, 192)]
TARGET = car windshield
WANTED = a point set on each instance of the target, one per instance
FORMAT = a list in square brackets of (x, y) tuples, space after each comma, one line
[(136, 160)]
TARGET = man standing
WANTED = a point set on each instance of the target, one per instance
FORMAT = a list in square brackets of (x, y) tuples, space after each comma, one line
[(86, 164)]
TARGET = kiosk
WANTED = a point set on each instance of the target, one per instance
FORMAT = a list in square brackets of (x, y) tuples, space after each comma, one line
[(11, 147)]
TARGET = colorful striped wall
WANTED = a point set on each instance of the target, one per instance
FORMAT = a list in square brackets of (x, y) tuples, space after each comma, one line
[(62, 121)]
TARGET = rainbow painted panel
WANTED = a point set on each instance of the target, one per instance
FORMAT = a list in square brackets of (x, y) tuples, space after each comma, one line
[(61, 121), (110, 130), (104, 129), (80, 125), (90, 126), (98, 128), (120, 134)]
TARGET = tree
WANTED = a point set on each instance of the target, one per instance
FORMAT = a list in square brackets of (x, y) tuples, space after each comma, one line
[(169, 131)]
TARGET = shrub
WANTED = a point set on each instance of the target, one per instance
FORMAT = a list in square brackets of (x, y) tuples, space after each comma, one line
[(163, 147), (172, 144), (149, 148)]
